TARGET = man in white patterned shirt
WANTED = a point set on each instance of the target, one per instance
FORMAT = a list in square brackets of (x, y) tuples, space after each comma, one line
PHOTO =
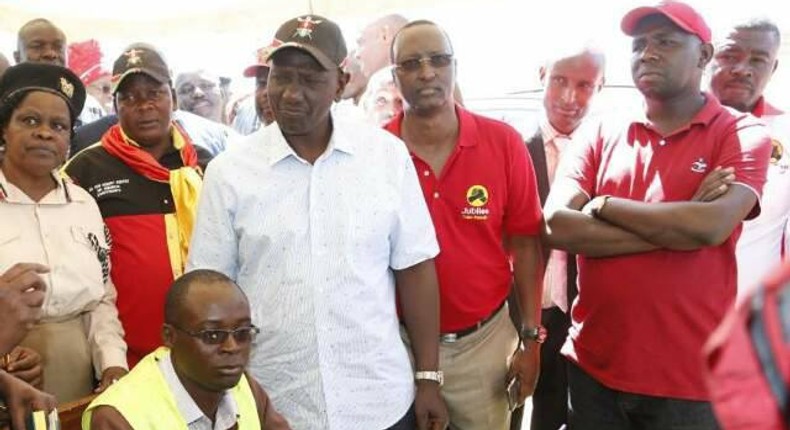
[(320, 221)]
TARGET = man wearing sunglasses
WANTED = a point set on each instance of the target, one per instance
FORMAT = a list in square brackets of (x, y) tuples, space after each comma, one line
[(197, 379), (479, 184)]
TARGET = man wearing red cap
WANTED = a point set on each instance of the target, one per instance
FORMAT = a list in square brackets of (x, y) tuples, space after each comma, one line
[(656, 256)]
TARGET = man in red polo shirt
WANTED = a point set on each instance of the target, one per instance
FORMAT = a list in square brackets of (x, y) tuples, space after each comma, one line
[(656, 261), (480, 188)]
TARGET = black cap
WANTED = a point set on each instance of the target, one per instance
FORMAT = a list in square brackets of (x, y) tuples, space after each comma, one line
[(139, 58), (52, 78), (316, 35)]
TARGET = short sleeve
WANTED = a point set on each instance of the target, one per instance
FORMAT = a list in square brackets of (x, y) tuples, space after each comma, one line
[(523, 213), (747, 149), (578, 167)]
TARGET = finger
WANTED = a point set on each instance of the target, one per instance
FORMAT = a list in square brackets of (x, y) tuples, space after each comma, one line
[(18, 418), (422, 421), (33, 299), (27, 375), (20, 268), (714, 193), (28, 281), (43, 402)]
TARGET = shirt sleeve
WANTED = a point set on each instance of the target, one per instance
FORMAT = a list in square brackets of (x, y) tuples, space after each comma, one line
[(578, 167), (748, 151), (413, 238), (106, 334), (214, 244), (523, 213)]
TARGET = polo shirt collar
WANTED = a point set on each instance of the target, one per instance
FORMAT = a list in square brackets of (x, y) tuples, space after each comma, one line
[(62, 194), (763, 108), (549, 133), (467, 126), (709, 111), (186, 405), (342, 139)]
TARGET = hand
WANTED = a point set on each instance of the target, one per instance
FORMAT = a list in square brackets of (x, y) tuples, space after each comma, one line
[(715, 184), (110, 376), (525, 366), (21, 296), (25, 364), (21, 399), (429, 407)]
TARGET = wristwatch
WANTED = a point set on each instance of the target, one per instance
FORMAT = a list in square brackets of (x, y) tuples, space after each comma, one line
[(597, 205), (536, 334), (425, 375)]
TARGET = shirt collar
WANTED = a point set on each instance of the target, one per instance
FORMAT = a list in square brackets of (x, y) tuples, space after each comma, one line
[(62, 194), (186, 405), (549, 133), (341, 140), (467, 126), (763, 108), (708, 113)]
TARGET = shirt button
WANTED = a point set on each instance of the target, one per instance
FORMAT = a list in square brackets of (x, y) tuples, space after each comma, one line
[(662, 142), (427, 173), (166, 201), (436, 195)]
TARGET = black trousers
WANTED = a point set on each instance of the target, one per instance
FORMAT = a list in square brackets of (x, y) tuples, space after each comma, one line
[(550, 401), (408, 422)]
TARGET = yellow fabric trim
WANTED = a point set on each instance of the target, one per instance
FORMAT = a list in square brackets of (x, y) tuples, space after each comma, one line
[(173, 237), (185, 184)]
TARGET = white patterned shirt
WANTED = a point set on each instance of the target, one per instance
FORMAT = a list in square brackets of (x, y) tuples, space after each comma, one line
[(227, 411), (313, 246)]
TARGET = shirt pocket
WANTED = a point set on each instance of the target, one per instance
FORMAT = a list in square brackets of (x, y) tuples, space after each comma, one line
[(92, 242)]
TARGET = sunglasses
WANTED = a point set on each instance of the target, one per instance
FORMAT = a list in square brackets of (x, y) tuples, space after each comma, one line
[(436, 61), (215, 336)]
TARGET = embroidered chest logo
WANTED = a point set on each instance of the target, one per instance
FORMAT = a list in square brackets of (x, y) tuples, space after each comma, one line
[(306, 27), (477, 198), (699, 166), (133, 57), (777, 156), (107, 188)]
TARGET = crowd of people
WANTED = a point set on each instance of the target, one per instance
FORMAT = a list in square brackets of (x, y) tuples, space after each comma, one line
[(349, 247)]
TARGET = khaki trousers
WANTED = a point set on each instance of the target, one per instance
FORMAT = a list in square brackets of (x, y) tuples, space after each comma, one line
[(474, 375), (65, 357)]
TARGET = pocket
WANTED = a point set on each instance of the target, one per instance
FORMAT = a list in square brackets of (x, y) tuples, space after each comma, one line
[(8, 237)]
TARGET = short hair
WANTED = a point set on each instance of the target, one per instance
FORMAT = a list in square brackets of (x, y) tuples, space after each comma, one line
[(760, 24), (575, 48), (7, 109), (178, 292), (417, 23), (31, 23)]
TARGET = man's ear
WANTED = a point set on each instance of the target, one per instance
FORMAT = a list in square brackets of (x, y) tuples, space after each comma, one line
[(175, 99), (17, 58), (542, 75), (168, 335), (342, 81), (706, 54)]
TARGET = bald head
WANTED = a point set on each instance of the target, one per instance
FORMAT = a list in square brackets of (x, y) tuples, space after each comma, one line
[(178, 303), (4, 64), (41, 41), (374, 42)]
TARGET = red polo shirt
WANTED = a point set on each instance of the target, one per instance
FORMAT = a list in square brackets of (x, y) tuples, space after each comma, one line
[(640, 321), (486, 189)]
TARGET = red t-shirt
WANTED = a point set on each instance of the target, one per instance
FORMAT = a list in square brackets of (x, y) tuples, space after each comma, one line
[(739, 387), (487, 189), (640, 321)]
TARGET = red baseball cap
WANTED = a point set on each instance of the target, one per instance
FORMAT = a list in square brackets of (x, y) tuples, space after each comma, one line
[(261, 61), (683, 15)]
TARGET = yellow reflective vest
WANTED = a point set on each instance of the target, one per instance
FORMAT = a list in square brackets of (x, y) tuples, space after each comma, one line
[(145, 401)]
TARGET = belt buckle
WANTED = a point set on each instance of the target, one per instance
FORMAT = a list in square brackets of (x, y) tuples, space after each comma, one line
[(448, 338)]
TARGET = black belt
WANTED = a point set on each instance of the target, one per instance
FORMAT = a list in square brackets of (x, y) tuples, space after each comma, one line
[(455, 336)]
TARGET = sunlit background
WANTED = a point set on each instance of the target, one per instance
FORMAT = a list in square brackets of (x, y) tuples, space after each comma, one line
[(499, 43)]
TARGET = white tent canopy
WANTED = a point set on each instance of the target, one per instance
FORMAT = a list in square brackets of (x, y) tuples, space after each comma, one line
[(499, 43)]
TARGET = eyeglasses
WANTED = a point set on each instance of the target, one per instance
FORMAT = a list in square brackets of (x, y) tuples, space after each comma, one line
[(149, 96), (214, 336), (436, 61)]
